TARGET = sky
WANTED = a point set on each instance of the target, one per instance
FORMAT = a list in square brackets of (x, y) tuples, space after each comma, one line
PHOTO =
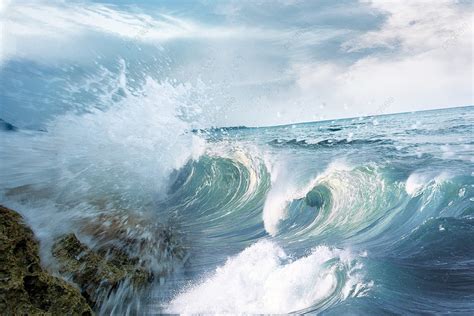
[(252, 62)]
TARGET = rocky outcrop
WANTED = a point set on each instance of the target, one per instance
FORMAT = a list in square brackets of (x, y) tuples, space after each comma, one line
[(25, 287), (97, 273)]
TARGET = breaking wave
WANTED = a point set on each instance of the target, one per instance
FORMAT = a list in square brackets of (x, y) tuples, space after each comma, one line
[(319, 217)]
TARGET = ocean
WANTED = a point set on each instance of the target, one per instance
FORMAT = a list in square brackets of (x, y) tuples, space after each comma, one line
[(366, 215)]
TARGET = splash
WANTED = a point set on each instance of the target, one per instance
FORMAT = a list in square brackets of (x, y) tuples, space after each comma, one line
[(264, 279), (101, 174), (128, 149)]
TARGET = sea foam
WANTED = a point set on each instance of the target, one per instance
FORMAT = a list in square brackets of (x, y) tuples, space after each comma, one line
[(263, 278)]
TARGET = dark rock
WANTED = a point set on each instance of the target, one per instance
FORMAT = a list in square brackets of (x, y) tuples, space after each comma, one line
[(97, 273), (139, 239), (25, 287)]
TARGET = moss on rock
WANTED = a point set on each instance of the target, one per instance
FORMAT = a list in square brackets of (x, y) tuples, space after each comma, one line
[(25, 287)]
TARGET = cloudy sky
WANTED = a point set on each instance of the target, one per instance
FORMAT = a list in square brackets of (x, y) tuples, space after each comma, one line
[(261, 62)]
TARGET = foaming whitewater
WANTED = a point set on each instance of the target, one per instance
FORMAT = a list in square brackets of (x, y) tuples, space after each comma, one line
[(126, 152), (341, 217), (417, 182), (264, 279)]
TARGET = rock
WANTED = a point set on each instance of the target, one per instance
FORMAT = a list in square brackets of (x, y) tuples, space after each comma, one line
[(25, 287), (141, 240), (97, 274)]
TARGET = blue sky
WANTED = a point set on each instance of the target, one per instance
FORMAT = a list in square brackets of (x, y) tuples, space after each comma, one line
[(255, 62)]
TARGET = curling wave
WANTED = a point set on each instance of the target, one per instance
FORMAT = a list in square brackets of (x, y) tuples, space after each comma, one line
[(346, 218)]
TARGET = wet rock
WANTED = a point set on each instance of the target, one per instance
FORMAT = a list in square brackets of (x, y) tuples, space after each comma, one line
[(25, 287), (154, 246), (97, 273)]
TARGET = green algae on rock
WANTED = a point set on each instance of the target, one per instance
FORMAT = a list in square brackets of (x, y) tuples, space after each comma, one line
[(25, 287)]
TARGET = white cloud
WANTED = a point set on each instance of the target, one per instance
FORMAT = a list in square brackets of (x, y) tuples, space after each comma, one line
[(417, 26), (428, 64), (38, 30)]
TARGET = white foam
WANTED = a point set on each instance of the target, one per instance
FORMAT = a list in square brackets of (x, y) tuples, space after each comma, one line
[(414, 183), (264, 279), (417, 181), (282, 192), (132, 146)]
